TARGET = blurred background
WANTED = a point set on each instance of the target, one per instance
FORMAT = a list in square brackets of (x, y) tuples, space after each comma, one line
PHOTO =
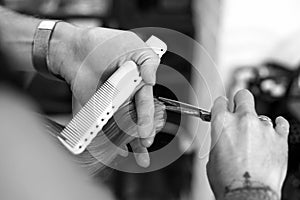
[(253, 44)]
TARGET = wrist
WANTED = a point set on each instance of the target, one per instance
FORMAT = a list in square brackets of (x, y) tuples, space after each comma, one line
[(61, 48), (247, 184), (251, 192)]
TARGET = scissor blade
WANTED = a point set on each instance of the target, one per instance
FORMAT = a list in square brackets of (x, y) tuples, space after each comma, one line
[(169, 101), (181, 104), (177, 103), (183, 111), (186, 109)]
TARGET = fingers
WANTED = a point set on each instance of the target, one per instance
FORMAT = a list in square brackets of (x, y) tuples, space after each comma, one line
[(265, 120), (220, 106), (219, 110), (145, 112), (140, 153), (148, 62), (282, 126), (123, 151), (149, 65), (147, 142), (244, 102)]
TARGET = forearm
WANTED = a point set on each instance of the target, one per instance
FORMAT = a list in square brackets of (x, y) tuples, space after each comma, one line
[(17, 32)]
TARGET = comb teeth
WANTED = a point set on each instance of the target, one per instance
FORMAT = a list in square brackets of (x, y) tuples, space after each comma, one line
[(85, 126), (90, 119)]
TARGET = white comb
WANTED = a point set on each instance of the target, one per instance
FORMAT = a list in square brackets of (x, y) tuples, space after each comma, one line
[(86, 124)]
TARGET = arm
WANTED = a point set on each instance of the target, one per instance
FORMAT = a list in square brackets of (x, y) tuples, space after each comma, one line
[(248, 158), (85, 57), (16, 37), (17, 32), (247, 189)]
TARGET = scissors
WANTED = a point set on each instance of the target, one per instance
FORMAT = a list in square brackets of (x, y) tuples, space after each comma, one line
[(186, 109)]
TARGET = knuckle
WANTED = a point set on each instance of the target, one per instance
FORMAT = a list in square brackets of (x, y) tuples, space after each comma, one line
[(144, 119), (248, 120), (155, 58), (145, 103), (222, 116), (247, 116), (151, 59)]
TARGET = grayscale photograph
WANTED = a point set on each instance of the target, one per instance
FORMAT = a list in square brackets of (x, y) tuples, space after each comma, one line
[(149, 100)]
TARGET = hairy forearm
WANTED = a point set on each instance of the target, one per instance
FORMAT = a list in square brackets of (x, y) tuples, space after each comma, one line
[(17, 32)]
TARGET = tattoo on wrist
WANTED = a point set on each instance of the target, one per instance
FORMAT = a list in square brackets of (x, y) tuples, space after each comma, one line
[(249, 190)]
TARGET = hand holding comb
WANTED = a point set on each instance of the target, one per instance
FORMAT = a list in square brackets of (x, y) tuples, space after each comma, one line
[(86, 124)]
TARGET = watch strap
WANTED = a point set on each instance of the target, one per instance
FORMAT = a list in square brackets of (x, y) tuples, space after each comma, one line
[(40, 48)]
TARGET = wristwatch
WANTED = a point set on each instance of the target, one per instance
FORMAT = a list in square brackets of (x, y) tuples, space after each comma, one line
[(40, 48)]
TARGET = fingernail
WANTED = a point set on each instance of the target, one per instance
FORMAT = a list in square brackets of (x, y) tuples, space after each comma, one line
[(143, 160), (147, 142), (123, 151)]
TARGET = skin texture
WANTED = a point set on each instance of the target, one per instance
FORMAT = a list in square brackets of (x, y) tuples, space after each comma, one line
[(241, 142), (95, 55), (244, 143), (85, 58)]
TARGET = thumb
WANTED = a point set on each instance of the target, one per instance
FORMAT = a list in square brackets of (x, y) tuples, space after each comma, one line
[(148, 63), (282, 126)]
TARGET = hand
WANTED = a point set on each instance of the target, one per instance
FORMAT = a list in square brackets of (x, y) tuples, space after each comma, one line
[(244, 143), (85, 58)]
